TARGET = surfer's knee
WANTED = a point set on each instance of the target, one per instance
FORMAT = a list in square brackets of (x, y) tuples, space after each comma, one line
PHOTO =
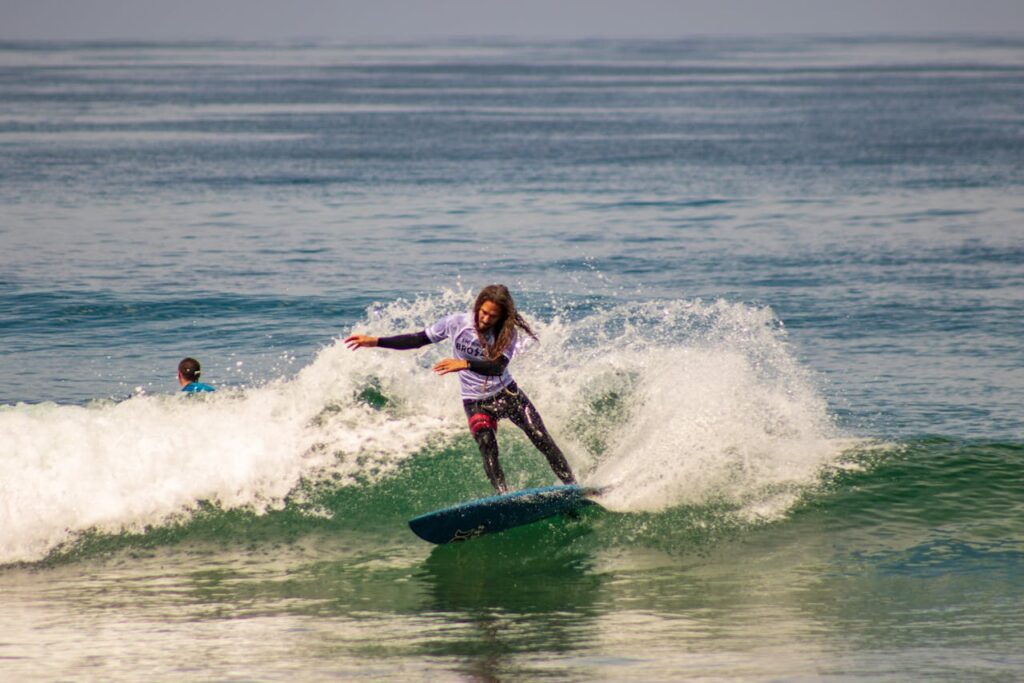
[(482, 421), (539, 437)]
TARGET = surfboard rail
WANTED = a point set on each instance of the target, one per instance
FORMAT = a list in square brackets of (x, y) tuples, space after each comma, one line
[(492, 514)]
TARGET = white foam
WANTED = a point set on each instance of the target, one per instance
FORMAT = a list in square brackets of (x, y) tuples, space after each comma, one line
[(701, 403), (117, 467), (709, 406)]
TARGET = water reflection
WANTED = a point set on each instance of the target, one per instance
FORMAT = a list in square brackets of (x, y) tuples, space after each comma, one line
[(531, 590)]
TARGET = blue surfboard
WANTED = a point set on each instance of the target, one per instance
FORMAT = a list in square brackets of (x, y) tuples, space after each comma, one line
[(498, 513)]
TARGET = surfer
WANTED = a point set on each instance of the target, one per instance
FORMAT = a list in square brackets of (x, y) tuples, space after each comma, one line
[(188, 377), (483, 343)]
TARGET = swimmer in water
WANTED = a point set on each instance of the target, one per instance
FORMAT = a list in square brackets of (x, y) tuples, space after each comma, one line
[(188, 377)]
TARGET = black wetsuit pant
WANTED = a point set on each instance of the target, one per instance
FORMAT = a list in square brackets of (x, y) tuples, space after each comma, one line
[(513, 404)]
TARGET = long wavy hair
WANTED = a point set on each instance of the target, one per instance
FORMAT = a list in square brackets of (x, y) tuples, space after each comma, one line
[(506, 326)]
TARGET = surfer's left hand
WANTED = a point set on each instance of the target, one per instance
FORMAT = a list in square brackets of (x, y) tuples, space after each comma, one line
[(443, 367)]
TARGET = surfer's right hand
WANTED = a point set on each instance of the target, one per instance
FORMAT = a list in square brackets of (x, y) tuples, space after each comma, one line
[(358, 341)]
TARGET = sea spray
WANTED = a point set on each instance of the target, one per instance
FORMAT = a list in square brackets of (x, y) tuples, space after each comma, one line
[(672, 403), (669, 402), (121, 467), (695, 403)]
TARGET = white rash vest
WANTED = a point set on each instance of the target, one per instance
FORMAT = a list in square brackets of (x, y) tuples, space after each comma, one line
[(466, 346)]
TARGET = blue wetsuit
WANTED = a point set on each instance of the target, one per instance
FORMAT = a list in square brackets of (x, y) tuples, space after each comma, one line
[(197, 388)]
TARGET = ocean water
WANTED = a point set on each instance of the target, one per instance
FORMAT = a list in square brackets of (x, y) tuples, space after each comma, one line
[(778, 288)]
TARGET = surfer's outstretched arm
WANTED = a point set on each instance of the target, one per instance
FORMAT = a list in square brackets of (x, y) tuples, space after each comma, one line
[(398, 341), (418, 339)]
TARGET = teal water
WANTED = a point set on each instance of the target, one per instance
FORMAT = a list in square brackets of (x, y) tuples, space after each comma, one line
[(777, 286), (875, 574)]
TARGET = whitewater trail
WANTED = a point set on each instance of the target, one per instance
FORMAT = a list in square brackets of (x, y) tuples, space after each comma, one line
[(670, 403)]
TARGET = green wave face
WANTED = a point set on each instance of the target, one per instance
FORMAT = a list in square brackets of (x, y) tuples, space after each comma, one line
[(696, 415), (923, 506)]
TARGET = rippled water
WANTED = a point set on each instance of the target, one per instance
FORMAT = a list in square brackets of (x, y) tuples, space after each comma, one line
[(777, 284)]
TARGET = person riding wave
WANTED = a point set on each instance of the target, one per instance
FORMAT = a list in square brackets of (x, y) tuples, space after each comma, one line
[(483, 343)]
